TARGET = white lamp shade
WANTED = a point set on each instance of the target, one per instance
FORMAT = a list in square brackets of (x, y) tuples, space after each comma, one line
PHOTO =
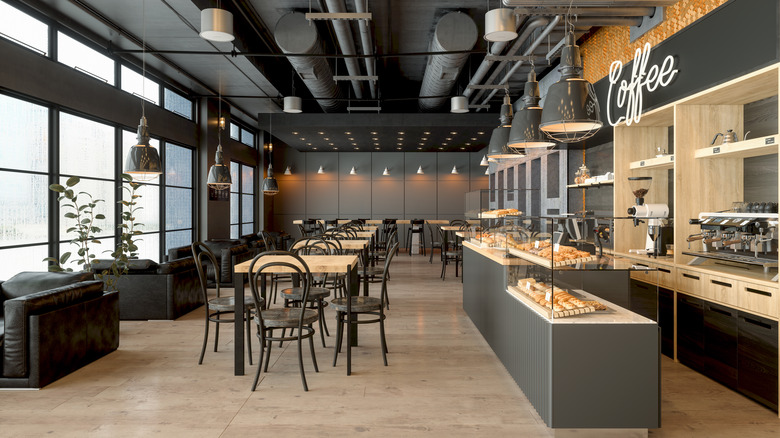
[(385, 173), (353, 171), (288, 171), (484, 161), (320, 170), (487, 171), (216, 25), (292, 104), (420, 171), (459, 105), (500, 25), (454, 170)]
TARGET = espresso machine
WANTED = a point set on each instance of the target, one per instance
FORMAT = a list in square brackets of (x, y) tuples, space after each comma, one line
[(659, 230)]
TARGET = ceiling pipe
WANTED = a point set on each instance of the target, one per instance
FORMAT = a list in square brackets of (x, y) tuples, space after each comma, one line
[(346, 43), (484, 66), (454, 31), (588, 12), (526, 33), (534, 44), (367, 46), (585, 3), (294, 34)]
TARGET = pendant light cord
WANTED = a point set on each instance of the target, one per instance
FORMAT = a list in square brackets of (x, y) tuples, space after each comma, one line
[(143, 60)]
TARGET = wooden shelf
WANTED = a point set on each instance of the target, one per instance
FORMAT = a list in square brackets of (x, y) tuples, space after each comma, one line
[(753, 147), (589, 185), (667, 161), (548, 263)]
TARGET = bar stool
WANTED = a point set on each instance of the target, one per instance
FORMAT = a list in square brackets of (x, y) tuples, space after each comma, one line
[(417, 227)]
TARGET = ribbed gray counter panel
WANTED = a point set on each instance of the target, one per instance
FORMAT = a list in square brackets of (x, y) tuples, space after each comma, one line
[(575, 375)]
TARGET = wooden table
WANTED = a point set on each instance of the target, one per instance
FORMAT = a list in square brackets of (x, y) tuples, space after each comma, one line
[(398, 221), (318, 264), (354, 245)]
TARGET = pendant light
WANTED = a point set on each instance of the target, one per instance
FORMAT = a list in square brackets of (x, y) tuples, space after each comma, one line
[(270, 185), (293, 104), (500, 25), (459, 105), (216, 25), (497, 148), (571, 109), (484, 161), (219, 175), (487, 171), (525, 132), (143, 160)]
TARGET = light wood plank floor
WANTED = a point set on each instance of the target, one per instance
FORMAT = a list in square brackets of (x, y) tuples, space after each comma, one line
[(443, 380)]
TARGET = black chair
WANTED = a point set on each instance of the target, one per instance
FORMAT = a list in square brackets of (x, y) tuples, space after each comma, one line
[(388, 226), (331, 224), (449, 253), (270, 245), (317, 293), (417, 227), (435, 242), (219, 306), (350, 308), (299, 319)]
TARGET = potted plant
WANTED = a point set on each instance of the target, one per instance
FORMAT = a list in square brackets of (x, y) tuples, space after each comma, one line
[(80, 208)]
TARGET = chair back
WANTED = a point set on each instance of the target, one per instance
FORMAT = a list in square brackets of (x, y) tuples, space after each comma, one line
[(385, 275), (434, 236), (417, 224), (268, 241), (458, 222), (203, 255), (284, 259), (310, 246)]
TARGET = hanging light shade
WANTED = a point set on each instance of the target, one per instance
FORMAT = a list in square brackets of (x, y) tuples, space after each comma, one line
[(288, 171), (219, 174), (484, 161), (270, 185), (292, 104), (459, 104), (500, 25), (143, 160), (420, 171), (571, 109), (497, 147), (487, 171), (455, 170), (525, 132), (216, 25)]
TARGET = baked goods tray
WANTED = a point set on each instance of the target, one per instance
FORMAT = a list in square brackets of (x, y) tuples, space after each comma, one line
[(549, 313), (543, 261)]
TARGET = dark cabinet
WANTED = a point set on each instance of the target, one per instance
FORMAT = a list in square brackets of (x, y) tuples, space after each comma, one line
[(644, 299), (758, 358), (690, 332), (720, 344), (666, 320)]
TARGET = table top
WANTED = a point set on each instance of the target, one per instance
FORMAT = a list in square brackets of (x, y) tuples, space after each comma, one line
[(347, 244), (364, 234), (398, 222), (319, 264), (451, 227)]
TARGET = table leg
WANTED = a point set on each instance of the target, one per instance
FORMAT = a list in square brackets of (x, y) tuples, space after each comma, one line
[(238, 326), (354, 290), (365, 277)]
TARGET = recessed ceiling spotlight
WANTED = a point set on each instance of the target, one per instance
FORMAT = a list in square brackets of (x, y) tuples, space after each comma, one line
[(427, 133), (468, 144), (424, 139), (473, 138), (449, 138), (376, 148), (419, 149), (398, 149), (335, 149), (444, 143), (463, 149), (454, 132), (373, 132), (422, 144), (331, 144), (357, 149), (354, 144), (351, 139), (441, 148), (295, 133), (481, 132), (314, 148), (400, 133), (401, 138), (303, 138), (375, 138), (347, 132), (326, 139), (400, 144), (321, 133)]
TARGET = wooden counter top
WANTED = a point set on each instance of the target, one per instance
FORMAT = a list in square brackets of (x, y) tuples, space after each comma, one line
[(496, 255)]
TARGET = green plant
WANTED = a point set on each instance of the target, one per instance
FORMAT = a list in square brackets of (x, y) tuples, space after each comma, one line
[(79, 207)]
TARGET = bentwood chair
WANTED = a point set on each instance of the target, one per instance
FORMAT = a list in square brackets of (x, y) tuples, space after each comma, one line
[(435, 242), (299, 320), (270, 245), (317, 293), (449, 253), (219, 306), (349, 310)]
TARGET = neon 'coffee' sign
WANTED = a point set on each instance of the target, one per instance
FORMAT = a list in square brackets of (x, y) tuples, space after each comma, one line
[(630, 94)]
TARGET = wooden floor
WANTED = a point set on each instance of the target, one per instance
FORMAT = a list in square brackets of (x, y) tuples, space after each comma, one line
[(443, 380)]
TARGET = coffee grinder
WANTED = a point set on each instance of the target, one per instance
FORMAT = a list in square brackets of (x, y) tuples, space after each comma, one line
[(659, 232)]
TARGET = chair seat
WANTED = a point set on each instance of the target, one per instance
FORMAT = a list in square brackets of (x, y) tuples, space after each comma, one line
[(359, 304), (287, 317), (296, 293), (228, 304), (372, 271), (453, 253)]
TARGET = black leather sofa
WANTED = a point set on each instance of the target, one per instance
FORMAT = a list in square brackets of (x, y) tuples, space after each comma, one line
[(229, 252), (156, 291), (53, 324)]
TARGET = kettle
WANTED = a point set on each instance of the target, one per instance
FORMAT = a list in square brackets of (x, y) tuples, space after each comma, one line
[(729, 137)]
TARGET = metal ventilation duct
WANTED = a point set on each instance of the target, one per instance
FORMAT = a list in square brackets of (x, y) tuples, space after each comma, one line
[(294, 35), (346, 43), (454, 32)]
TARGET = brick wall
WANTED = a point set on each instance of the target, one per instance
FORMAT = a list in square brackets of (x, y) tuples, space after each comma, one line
[(609, 44)]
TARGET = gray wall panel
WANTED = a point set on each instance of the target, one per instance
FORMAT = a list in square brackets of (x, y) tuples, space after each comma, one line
[(387, 198), (322, 198), (451, 196), (354, 199), (294, 201), (420, 199)]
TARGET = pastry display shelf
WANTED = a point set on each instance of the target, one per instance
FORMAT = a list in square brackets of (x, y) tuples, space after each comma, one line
[(753, 147), (498, 216), (589, 185), (666, 161), (546, 262)]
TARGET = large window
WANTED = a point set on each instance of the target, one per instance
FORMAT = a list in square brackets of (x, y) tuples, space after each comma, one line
[(241, 200), (145, 88), (23, 29), (179, 195), (24, 216), (84, 59), (148, 216), (242, 134), (176, 103)]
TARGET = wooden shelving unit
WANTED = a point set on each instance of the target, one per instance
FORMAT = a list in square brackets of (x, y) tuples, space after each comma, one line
[(753, 147), (591, 185), (665, 162)]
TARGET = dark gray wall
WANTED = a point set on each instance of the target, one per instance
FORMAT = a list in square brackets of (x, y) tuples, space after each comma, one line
[(437, 194)]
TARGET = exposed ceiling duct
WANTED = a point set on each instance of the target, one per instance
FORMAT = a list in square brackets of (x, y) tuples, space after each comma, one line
[(455, 31), (366, 45), (295, 35), (346, 43), (586, 3)]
